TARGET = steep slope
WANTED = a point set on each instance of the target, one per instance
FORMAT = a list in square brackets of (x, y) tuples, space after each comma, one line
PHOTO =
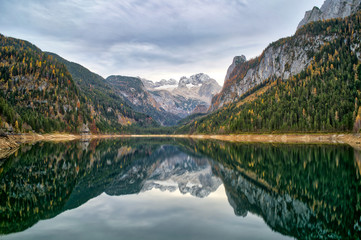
[(331, 9), (135, 94), (311, 82), (108, 107), (201, 108), (183, 97), (37, 91), (282, 59), (175, 104)]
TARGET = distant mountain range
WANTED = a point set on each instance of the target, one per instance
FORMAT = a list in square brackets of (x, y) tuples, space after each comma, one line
[(184, 96), (42, 92)]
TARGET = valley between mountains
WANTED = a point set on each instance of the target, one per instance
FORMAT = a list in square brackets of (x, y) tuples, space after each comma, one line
[(305, 84)]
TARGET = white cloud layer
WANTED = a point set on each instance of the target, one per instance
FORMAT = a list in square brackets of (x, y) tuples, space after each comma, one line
[(152, 38)]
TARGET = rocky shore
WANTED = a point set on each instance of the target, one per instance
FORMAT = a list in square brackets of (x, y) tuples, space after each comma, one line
[(354, 140)]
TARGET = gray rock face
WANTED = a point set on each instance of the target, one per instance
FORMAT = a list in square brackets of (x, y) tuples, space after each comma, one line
[(331, 9), (176, 104), (199, 86), (195, 80), (132, 89), (237, 60), (181, 98), (201, 108), (147, 83), (134, 92), (277, 61), (311, 16)]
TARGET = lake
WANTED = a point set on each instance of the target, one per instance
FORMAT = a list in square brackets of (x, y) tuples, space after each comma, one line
[(143, 188)]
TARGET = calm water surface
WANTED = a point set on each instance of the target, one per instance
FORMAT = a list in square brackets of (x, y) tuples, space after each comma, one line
[(180, 189)]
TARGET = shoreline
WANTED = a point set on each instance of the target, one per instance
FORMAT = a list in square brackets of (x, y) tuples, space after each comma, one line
[(353, 140)]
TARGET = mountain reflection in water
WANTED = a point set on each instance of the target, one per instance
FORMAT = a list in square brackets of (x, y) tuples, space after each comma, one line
[(302, 191)]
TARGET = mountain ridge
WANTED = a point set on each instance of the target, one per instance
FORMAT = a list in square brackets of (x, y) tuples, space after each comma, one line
[(186, 95), (331, 9), (107, 107), (133, 91)]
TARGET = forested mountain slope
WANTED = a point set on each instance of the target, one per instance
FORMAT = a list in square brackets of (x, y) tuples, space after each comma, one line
[(36, 91), (108, 107), (323, 96)]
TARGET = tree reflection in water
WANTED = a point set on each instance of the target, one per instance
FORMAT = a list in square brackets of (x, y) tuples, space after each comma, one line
[(304, 191)]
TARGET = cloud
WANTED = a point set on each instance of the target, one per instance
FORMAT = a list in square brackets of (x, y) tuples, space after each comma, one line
[(153, 38)]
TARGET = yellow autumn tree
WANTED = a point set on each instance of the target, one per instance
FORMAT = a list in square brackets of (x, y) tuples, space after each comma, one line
[(16, 125), (357, 124)]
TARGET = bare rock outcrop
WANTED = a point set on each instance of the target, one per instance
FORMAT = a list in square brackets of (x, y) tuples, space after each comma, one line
[(331, 9)]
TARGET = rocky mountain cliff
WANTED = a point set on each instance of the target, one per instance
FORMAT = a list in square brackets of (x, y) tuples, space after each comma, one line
[(133, 91), (183, 97), (237, 60), (331, 9), (283, 58)]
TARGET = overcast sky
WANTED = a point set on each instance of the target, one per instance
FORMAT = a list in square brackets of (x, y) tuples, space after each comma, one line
[(153, 39)]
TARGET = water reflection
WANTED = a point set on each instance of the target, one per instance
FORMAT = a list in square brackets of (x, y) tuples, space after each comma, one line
[(303, 191)]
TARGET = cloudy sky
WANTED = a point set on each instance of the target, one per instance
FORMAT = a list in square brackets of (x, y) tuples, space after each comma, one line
[(153, 39)]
